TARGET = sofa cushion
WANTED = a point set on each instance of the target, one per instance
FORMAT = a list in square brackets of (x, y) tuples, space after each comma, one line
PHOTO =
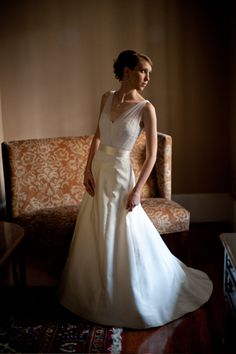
[(167, 215)]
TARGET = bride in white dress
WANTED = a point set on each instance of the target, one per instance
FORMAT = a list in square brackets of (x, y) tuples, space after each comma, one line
[(119, 271)]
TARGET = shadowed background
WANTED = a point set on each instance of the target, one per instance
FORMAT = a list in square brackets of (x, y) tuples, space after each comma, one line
[(56, 61)]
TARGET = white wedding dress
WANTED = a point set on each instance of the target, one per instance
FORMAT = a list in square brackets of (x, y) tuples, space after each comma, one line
[(119, 271)]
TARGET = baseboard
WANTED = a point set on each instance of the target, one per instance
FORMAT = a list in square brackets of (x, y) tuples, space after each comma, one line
[(214, 207)]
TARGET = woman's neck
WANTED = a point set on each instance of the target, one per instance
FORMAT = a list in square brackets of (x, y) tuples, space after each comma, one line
[(125, 94)]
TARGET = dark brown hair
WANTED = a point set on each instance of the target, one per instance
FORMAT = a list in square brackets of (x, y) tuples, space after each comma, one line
[(128, 58)]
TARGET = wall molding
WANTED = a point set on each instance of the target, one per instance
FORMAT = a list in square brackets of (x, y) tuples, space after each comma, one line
[(209, 207)]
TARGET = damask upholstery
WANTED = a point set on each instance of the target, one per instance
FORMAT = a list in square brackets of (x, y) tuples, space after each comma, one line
[(159, 182), (44, 173), (44, 188)]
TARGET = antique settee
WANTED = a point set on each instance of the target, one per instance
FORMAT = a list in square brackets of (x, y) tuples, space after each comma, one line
[(44, 188)]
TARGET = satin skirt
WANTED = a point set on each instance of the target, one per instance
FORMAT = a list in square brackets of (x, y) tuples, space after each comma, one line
[(119, 271)]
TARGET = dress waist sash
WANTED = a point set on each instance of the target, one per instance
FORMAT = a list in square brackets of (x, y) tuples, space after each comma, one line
[(110, 150)]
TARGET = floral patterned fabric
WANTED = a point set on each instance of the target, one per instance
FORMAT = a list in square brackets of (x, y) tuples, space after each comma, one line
[(44, 173), (167, 215), (159, 182)]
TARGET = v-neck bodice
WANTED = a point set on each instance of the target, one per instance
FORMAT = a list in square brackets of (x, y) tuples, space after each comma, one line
[(126, 112), (123, 131)]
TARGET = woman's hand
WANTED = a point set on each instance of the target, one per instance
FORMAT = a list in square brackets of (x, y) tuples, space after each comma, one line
[(89, 182), (133, 200)]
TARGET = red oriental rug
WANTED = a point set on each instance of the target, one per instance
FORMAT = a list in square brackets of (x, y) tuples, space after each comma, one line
[(34, 322)]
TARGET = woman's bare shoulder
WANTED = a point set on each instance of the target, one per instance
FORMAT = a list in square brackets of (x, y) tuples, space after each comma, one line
[(104, 99), (105, 96), (149, 108)]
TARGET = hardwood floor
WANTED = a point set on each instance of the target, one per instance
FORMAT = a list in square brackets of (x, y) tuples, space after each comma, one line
[(202, 331)]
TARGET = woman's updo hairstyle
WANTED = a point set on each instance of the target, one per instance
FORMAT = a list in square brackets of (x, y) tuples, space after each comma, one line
[(130, 59)]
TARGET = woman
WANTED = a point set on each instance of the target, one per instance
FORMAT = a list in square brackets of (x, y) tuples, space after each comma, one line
[(119, 271)]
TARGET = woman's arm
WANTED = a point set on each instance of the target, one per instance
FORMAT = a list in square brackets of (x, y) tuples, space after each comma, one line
[(88, 176), (150, 126)]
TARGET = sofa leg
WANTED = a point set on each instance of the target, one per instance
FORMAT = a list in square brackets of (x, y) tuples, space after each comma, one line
[(185, 246), (18, 268), (178, 244)]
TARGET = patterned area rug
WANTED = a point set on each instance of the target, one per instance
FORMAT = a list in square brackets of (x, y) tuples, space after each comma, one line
[(33, 322)]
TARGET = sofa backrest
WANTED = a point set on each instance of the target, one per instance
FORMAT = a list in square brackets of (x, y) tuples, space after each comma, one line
[(46, 173)]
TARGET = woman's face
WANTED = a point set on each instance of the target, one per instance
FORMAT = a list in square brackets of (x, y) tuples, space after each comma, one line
[(139, 77)]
